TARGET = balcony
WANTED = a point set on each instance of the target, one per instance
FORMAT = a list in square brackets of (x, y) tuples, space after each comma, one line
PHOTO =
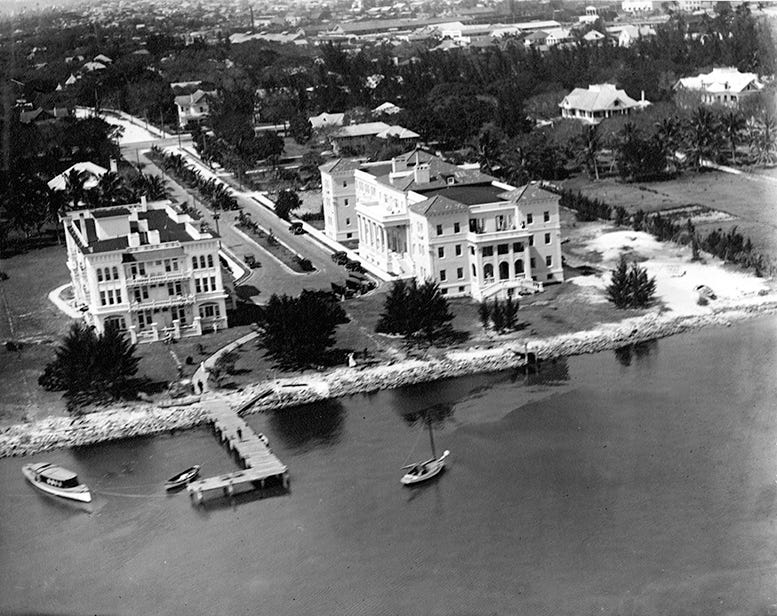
[(168, 302), (477, 237), (372, 211), (134, 281)]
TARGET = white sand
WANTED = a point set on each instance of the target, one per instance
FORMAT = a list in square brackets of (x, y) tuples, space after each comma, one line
[(676, 276)]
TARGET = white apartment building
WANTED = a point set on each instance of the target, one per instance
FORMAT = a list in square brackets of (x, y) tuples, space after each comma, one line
[(146, 268), (422, 217)]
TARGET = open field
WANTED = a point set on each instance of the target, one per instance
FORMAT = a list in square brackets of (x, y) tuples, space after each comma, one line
[(746, 201)]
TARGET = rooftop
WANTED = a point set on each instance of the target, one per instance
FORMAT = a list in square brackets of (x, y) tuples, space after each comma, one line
[(598, 97), (437, 205), (472, 194)]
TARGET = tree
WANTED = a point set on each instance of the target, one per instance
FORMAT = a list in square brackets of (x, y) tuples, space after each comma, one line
[(618, 290), (416, 311), (298, 332), (733, 123), (90, 367), (703, 134), (74, 186), (300, 128), (630, 287), (590, 150), (484, 314), (268, 146), (286, 202), (762, 135)]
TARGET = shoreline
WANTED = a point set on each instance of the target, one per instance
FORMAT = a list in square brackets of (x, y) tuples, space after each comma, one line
[(143, 419)]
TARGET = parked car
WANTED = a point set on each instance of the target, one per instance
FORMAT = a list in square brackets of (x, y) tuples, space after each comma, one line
[(340, 257), (296, 228), (251, 261)]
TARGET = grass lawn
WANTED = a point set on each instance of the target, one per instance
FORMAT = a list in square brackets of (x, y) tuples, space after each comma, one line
[(748, 203), (27, 316)]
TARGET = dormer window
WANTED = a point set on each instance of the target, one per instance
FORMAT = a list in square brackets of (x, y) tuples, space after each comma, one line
[(451, 180)]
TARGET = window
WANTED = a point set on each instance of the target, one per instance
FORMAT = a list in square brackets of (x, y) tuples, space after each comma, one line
[(531, 263), (529, 219), (519, 267), (550, 276), (99, 274), (144, 318), (209, 311), (459, 273), (502, 249), (347, 221), (202, 261), (345, 201), (458, 250), (546, 216), (456, 227), (531, 240), (488, 251), (197, 286), (441, 252), (118, 296), (210, 260), (547, 238), (349, 235), (345, 184), (103, 298), (488, 271), (549, 260), (461, 289), (474, 271), (173, 288), (472, 250), (443, 275), (175, 265), (439, 229), (115, 271), (517, 246), (194, 262), (212, 283)]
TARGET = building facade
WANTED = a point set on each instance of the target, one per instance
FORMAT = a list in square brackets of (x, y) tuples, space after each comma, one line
[(418, 216), (145, 268), (721, 86), (598, 102), (193, 108)]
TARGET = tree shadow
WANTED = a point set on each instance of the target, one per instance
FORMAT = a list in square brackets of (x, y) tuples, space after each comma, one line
[(246, 291), (311, 425)]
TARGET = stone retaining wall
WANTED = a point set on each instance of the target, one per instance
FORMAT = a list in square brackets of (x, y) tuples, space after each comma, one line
[(141, 420)]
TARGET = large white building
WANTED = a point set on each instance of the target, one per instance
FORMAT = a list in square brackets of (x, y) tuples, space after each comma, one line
[(598, 102), (721, 86), (419, 216), (146, 268)]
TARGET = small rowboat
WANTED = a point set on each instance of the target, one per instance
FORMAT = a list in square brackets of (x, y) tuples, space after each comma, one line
[(706, 292), (424, 470), (182, 478)]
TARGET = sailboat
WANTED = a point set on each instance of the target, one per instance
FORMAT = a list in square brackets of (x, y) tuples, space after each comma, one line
[(422, 471)]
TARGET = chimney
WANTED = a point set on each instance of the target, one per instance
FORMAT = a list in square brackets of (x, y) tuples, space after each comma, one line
[(143, 202), (642, 96), (114, 166), (421, 173)]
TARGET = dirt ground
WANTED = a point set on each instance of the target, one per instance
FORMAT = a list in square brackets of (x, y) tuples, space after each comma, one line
[(711, 199)]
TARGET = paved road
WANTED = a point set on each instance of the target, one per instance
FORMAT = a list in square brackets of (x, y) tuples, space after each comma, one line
[(273, 276)]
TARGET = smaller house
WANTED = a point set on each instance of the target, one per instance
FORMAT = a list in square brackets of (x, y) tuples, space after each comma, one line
[(322, 120), (43, 116), (598, 102), (405, 135), (90, 67), (594, 36), (91, 171), (387, 108), (356, 136), (723, 86), (193, 108), (102, 58)]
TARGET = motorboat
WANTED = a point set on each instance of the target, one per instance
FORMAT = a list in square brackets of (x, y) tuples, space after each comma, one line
[(182, 478), (706, 292), (56, 480)]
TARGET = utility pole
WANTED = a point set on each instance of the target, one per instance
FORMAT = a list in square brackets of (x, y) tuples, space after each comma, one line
[(162, 124)]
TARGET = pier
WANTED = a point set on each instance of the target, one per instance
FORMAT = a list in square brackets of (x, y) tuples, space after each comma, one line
[(260, 465)]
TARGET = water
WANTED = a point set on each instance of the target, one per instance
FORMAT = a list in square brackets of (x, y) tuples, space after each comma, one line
[(642, 482)]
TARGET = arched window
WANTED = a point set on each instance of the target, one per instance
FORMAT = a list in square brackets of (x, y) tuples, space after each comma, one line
[(115, 273), (519, 267), (488, 271), (99, 274), (504, 270), (210, 260), (194, 262)]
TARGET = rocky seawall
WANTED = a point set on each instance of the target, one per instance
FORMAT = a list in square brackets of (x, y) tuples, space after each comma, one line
[(142, 420)]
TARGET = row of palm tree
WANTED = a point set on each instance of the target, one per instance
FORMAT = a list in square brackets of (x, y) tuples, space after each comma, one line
[(113, 189), (218, 196)]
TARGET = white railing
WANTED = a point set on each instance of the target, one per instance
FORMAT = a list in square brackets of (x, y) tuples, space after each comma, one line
[(161, 277), (491, 287), (162, 303)]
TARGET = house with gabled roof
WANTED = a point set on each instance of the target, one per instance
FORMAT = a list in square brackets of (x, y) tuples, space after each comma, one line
[(598, 102), (193, 108), (420, 216), (722, 86)]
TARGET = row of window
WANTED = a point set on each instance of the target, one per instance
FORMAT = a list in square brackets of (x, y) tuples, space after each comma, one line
[(110, 297), (202, 262), (107, 273), (205, 284), (502, 223), (504, 269)]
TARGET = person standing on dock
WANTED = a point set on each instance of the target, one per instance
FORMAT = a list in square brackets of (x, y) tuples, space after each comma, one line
[(239, 434)]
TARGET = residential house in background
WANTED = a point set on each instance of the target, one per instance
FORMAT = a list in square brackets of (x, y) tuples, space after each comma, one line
[(640, 6), (420, 216), (193, 108), (355, 138), (722, 86), (323, 120), (597, 102), (146, 268), (90, 171)]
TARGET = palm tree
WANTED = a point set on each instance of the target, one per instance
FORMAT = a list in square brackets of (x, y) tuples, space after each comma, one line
[(762, 134), (667, 135), (154, 187), (111, 188), (703, 132), (732, 123), (590, 148), (74, 186)]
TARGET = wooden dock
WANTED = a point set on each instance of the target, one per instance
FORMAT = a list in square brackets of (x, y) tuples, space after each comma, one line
[(260, 465)]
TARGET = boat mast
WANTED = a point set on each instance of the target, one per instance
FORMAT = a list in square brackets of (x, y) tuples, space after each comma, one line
[(431, 437)]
